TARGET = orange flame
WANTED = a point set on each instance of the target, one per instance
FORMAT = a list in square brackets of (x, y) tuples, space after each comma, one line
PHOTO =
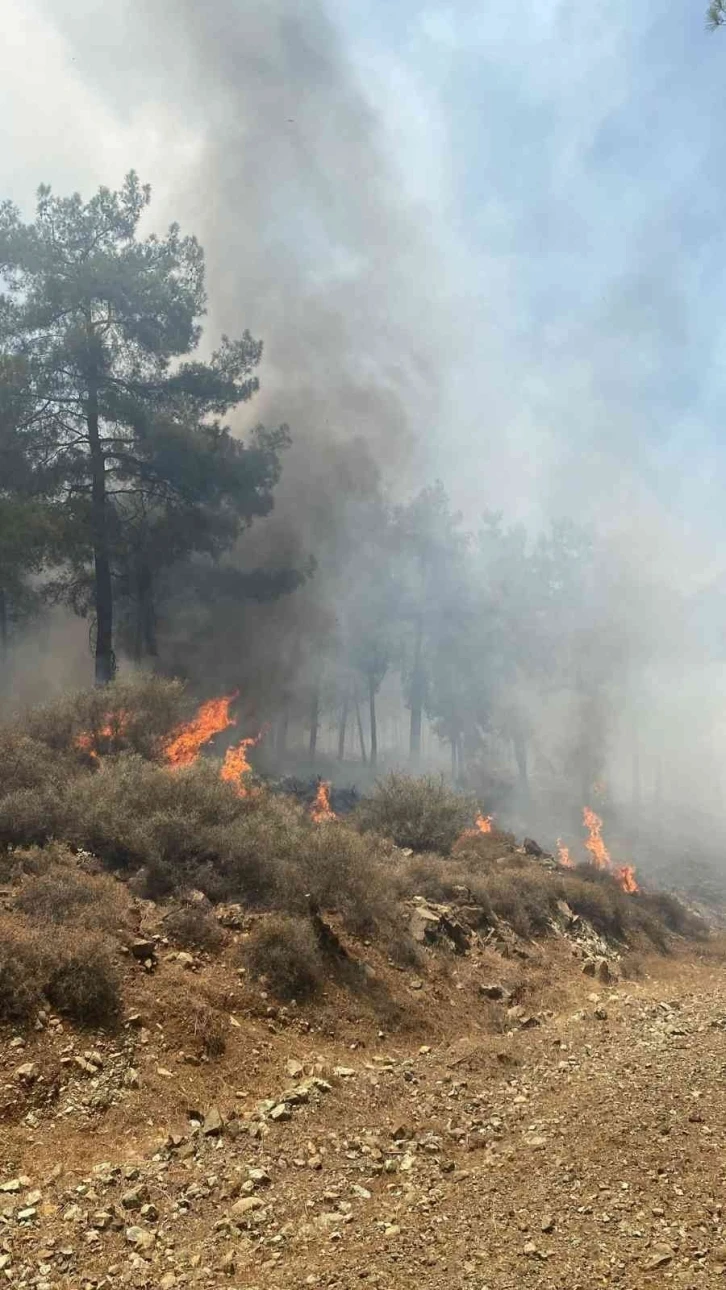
[(115, 724), (185, 743), (321, 809), (595, 844), (623, 874), (563, 855), (236, 764), (483, 824)]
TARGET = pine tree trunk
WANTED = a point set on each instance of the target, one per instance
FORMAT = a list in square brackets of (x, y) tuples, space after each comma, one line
[(103, 586), (147, 610), (342, 727), (361, 738), (374, 724)]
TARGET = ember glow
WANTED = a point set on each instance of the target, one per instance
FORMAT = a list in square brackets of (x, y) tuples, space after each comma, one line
[(563, 855), (623, 874), (321, 809), (236, 765), (114, 725), (187, 741)]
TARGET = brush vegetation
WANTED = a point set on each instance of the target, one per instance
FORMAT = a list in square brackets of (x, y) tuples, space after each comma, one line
[(73, 825)]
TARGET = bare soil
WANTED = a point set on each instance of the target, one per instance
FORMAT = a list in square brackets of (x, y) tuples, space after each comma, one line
[(410, 1132)]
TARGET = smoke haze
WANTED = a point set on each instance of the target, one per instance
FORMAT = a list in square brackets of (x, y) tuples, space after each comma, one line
[(483, 245)]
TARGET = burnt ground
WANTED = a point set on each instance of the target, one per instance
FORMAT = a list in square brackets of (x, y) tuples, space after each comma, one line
[(569, 1136)]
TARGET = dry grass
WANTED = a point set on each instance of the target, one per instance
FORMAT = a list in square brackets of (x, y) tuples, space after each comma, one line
[(420, 812)]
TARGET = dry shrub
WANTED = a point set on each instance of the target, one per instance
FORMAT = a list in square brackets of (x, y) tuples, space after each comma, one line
[(349, 873), (63, 893), (208, 1029), (75, 973), (420, 812), (21, 974), (484, 848), (284, 952), (194, 927), (82, 980)]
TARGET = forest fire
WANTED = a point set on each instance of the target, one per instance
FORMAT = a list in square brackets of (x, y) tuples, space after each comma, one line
[(236, 764), (563, 855), (321, 809), (115, 724), (185, 744), (624, 874)]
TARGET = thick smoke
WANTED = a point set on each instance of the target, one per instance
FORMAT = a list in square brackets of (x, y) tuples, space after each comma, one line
[(542, 365)]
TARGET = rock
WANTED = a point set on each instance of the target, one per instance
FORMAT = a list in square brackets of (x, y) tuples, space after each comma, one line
[(532, 848), (27, 1073), (231, 916), (140, 1237), (494, 992), (605, 973), (259, 1177), (280, 1112), (660, 1256), (186, 960), (168, 1281), (213, 1123), (131, 1078), (548, 1223), (247, 1205), (294, 1069), (344, 1072), (589, 967), (601, 1014), (143, 949), (136, 1197)]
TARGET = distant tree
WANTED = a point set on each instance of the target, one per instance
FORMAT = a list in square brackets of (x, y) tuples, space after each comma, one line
[(97, 326), (431, 547), (716, 16)]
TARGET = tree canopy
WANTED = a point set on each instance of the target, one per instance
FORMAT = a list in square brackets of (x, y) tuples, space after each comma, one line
[(106, 410)]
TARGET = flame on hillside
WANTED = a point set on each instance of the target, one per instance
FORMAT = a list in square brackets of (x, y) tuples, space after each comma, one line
[(321, 809), (236, 764), (563, 855), (186, 742), (599, 854), (624, 874), (483, 824)]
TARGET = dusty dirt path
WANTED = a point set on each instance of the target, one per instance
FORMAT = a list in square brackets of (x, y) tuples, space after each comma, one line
[(585, 1151)]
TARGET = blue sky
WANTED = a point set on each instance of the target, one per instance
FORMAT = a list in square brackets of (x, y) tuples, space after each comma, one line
[(562, 166)]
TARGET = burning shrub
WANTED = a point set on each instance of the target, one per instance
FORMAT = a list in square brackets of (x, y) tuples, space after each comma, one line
[(194, 928), (420, 812), (82, 980), (129, 715), (284, 952)]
